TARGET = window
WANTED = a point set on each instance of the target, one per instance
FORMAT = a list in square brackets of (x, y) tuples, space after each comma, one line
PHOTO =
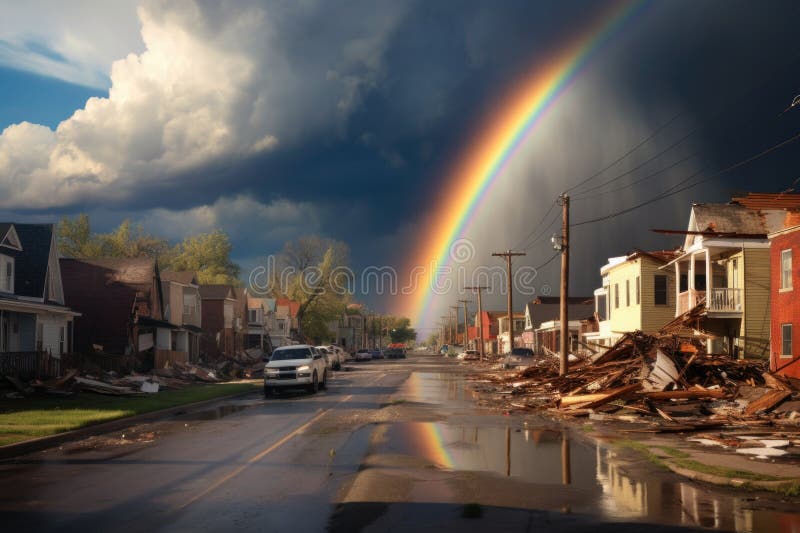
[(638, 290), (61, 338), (786, 269), (252, 315), (616, 296), (660, 289), (6, 273), (786, 340), (627, 293)]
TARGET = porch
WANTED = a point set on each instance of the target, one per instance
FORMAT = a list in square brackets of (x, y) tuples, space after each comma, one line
[(708, 276)]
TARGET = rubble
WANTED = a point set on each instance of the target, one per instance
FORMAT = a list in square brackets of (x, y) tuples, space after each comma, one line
[(175, 375), (666, 383)]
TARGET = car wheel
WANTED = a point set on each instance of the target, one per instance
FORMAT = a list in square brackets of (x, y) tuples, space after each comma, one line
[(314, 387), (324, 383)]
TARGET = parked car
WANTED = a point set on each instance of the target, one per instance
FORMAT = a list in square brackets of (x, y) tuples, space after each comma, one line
[(396, 353), (363, 355), (469, 355), (340, 354), (377, 354), (332, 357), (519, 357), (295, 366)]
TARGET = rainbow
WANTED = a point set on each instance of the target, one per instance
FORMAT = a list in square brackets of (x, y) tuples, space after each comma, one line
[(485, 159), (430, 443)]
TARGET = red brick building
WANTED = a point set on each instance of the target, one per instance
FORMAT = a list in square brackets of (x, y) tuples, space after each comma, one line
[(784, 300)]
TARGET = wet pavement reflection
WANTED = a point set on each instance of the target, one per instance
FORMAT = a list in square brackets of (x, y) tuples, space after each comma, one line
[(546, 455)]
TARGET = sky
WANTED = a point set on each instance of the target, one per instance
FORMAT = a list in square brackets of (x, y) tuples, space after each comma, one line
[(277, 119)]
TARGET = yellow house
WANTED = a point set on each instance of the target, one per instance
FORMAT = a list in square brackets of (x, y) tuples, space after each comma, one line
[(636, 295)]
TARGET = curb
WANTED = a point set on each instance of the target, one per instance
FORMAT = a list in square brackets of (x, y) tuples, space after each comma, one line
[(16, 449), (775, 485)]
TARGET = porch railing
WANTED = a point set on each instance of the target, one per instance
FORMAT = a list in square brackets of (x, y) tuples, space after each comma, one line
[(719, 300), (725, 300), (689, 299)]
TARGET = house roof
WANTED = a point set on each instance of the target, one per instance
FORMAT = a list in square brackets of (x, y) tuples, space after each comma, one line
[(134, 271), (184, 278), (760, 200), (727, 218), (9, 237), (292, 305), (30, 272), (543, 300), (216, 292)]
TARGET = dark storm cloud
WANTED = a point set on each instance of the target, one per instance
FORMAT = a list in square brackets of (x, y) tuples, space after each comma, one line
[(351, 113)]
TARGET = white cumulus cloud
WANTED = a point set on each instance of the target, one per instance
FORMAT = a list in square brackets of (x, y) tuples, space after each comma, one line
[(214, 84)]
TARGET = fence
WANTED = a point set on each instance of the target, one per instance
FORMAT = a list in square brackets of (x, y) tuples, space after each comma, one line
[(42, 365), (29, 365)]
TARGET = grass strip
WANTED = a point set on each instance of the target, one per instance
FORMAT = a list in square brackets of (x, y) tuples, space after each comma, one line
[(41, 416)]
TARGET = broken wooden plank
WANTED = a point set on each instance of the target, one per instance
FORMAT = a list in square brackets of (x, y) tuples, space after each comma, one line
[(592, 401), (690, 394), (767, 401)]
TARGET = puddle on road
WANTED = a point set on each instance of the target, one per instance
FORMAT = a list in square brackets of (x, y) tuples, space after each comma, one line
[(547, 455)]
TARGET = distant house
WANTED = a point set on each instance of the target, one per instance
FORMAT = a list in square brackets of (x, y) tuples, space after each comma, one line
[(503, 344), (489, 321), (260, 315), (542, 321), (183, 308), (637, 294), (33, 313), (219, 312), (121, 305)]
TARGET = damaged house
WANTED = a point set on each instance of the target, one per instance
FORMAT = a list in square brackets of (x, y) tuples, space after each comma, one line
[(122, 307), (33, 314), (723, 274)]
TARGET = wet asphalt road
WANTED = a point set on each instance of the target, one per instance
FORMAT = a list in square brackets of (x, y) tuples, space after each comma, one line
[(389, 446), (250, 464)]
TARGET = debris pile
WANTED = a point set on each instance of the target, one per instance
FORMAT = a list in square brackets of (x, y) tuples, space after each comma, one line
[(665, 381), (176, 375)]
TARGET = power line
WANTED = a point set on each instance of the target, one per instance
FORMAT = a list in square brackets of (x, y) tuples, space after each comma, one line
[(629, 152), (676, 189), (640, 180), (550, 210)]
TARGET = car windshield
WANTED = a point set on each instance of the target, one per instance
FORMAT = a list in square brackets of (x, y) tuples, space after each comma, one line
[(363, 351), (291, 353), (526, 352)]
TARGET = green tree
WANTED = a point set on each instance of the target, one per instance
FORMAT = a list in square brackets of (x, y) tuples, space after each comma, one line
[(313, 272), (208, 254), (75, 239), (400, 330)]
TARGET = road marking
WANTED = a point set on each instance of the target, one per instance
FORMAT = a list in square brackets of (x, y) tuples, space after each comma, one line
[(260, 455)]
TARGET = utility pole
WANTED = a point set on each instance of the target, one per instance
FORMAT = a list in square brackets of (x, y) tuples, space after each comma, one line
[(564, 315), (446, 329), (466, 323), (480, 316), (455, 323), (508, 254)]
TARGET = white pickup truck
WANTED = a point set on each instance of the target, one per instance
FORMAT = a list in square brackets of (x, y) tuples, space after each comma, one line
[(295, 366)]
